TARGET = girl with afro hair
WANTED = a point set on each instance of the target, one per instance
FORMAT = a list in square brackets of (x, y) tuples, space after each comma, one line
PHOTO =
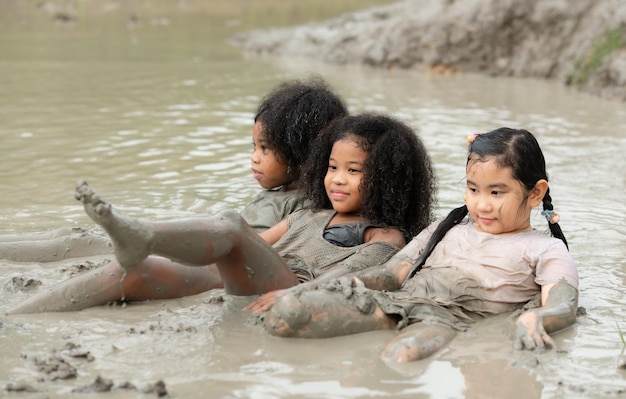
[(356, 166)]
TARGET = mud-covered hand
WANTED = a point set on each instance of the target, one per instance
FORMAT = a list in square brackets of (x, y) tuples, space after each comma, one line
[(530, 333), (558, 311), (265, 301)]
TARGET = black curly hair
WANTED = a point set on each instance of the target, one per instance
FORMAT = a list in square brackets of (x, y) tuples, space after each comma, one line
[(293, 114), (398, 185)]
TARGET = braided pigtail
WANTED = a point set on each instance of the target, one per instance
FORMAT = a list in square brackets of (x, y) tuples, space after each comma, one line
[(453, 218), (553, 218)]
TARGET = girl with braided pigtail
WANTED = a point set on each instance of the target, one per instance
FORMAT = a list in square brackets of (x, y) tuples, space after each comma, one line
[(483, 259), (553, 218)]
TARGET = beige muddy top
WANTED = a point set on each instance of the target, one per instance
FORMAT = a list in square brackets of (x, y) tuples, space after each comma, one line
[(484, 272)]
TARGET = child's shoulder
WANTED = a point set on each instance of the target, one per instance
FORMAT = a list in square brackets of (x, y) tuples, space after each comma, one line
[(269, 207)]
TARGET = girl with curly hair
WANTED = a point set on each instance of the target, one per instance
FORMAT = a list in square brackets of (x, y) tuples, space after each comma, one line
[(355, 167)]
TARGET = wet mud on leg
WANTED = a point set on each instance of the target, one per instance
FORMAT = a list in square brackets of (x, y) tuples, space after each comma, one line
[(335, 308), (154, 278), (417, 341), (95, 287), (52, 246)]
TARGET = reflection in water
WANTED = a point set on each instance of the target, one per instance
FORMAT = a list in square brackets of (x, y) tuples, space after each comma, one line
[(160, 123), (433, 378)]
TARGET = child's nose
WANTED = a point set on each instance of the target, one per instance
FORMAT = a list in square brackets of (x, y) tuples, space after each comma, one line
[(339, 178), (484, 204), (254, 157)]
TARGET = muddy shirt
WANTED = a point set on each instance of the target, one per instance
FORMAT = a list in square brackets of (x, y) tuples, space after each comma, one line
[(471, 272), (269, 207), (304, 246)]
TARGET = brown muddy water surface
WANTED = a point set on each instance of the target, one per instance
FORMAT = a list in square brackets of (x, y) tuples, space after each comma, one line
[(149, 104)]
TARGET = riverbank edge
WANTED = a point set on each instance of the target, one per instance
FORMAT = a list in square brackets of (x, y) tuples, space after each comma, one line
[(580, 43)]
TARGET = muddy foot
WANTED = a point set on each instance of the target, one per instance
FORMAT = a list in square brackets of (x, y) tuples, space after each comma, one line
[(131, 237)]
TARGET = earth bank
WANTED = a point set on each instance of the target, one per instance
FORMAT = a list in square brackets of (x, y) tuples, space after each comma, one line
[(580, 43)]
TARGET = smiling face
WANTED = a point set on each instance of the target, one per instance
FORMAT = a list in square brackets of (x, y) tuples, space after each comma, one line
[(343, 178), (496, 201), (268, 169)]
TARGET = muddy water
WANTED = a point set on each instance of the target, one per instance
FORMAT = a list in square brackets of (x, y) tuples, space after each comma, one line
[(157, 115)]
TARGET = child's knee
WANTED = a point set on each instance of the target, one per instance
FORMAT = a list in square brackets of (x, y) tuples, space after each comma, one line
[(286, 317), (417, 342), (231, 220)]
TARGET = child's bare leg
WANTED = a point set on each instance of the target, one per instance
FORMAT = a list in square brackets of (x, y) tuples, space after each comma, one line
[(247, 264), (153, 278), (95, 287), (53, 245), (417, 341), (37, 236), (336, 308)]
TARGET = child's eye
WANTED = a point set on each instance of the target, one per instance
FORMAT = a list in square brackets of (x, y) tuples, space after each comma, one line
[(332, 167), (472, 189), (496, 193), (353, 170)]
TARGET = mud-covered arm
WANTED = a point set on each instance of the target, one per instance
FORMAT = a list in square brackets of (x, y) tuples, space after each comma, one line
[(559, 304), (371, 256), (394, 272), (391, 274), (388, 277), (368, 258)]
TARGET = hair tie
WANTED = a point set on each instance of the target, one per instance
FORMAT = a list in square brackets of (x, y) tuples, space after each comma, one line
[(551, 216), (472, 137)]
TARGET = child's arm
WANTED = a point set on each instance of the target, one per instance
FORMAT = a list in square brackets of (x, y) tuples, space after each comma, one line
[(394, 272), (274, 233), (559, 304), (389, 276), (390, 236), (350, 266)]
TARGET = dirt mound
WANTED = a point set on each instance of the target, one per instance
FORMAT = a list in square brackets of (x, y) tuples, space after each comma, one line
[(581, 43)]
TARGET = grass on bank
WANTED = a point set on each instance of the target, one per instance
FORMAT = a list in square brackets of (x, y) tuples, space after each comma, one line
[(613, 40)]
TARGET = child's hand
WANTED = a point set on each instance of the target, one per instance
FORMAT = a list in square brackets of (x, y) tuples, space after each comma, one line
[(530, 333), (265, 301)]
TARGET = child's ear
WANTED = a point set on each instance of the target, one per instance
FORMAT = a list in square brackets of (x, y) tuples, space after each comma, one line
[(538, 192)]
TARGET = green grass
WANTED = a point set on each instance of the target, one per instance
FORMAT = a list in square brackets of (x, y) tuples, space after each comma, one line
[(621, 335), (612, 40)]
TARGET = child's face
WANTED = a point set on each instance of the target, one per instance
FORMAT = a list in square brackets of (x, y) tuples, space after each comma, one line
[(496, 201), (344, 174), (267, 168)]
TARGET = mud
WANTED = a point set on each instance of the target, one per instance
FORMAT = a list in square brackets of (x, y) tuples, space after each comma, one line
[(54, 245)]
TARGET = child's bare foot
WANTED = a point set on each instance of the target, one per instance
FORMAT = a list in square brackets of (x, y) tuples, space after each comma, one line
[(131, 237)]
